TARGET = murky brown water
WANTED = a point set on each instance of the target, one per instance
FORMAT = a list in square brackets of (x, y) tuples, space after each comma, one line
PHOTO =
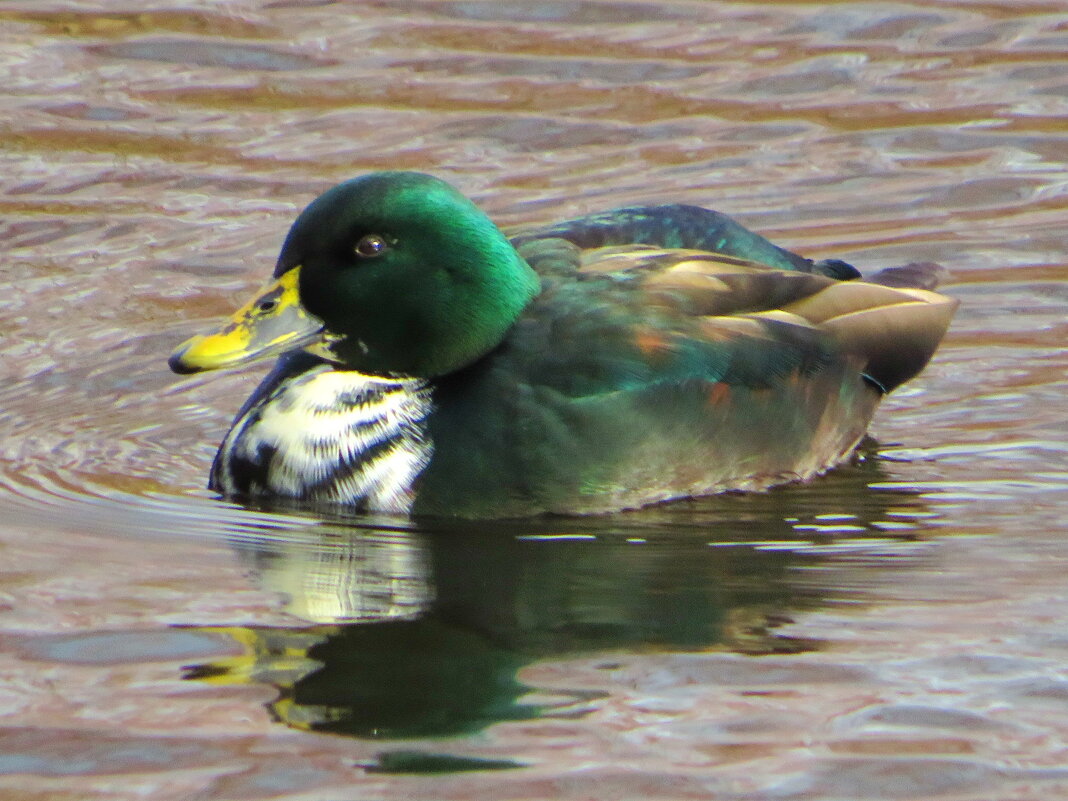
[(894, 631)]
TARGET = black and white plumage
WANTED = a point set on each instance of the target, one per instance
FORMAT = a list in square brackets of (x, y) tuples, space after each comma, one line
[(312, 432)]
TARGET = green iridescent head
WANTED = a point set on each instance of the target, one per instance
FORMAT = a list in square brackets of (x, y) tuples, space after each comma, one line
[(392, 273)]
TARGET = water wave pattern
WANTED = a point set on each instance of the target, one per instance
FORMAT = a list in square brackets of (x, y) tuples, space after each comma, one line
[(894, 630)]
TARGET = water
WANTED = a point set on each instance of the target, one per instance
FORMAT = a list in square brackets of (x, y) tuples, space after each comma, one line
[(895, 630)]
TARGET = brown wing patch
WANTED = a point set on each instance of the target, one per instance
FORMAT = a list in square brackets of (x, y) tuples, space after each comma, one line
[(651, 342), (710, 287), (780, 316), (649, 258), (719, 393), (897, 339), (892, 330), (688, 280), (720, 328), (850, 296)]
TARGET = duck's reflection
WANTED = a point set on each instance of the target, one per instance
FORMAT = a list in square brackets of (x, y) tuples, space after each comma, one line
[(423, 632)]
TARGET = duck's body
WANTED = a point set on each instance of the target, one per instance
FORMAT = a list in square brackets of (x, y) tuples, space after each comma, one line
[(630, 358)]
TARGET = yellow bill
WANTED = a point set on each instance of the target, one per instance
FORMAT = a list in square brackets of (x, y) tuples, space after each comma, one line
[(271, 323)]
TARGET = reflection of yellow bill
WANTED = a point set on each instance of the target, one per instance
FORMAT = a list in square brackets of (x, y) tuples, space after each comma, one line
[(271, 323)]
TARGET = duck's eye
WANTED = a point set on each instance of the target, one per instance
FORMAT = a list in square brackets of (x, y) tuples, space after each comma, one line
[(370, 246)]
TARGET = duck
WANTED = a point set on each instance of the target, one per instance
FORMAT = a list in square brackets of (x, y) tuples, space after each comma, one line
[(428, 363)]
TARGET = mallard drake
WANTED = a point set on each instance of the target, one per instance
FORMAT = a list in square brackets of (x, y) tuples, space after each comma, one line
[(430, 364)]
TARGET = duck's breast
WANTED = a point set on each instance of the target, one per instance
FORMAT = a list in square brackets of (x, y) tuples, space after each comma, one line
[(327, 435)]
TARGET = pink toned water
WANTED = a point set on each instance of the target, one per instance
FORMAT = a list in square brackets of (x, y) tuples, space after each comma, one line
[(894, 631)]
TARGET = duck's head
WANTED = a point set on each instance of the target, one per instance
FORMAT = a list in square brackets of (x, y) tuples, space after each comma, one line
[(392, 273)]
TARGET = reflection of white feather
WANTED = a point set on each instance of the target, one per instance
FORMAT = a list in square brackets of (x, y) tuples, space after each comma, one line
[(336, 436)]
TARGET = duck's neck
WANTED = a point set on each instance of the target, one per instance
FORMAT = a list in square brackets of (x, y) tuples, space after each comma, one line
[(490, 291)]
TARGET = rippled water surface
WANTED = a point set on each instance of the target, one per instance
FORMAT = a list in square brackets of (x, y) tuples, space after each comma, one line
[(896, 630)]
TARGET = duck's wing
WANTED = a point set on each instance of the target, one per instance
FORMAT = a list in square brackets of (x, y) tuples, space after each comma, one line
[(749, 296), (892, 322), (750, 322)]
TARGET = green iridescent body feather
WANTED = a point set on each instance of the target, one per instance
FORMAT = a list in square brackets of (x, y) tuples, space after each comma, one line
[(604, 363)]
